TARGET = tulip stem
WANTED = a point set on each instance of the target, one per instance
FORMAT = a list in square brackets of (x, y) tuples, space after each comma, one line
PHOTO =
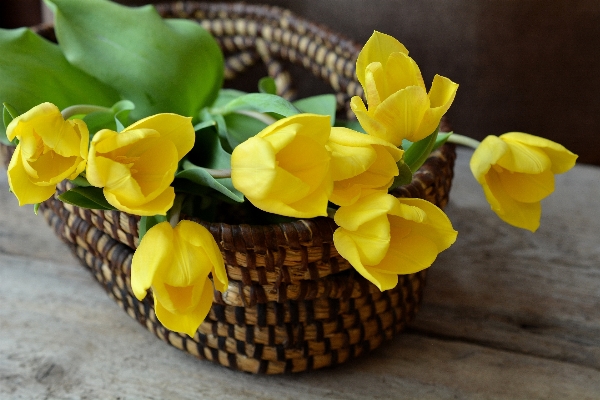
[(218, 173), (175, 211), (81, 109), (464, 140)]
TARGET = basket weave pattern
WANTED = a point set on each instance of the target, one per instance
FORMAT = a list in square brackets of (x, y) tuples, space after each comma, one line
[(293, 303)]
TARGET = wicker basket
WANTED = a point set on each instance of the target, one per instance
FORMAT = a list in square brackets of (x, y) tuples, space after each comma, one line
[(293, 303)]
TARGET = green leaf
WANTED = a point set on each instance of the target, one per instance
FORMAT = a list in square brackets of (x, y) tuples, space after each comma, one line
[(442, 138), (162, 65), (241, 127), (147, 222), (260, 102), (404, 176), (325, 104), (100, 120), (86, 197), (201, 177), (207, 151), (225, 96), (115, 118), (34, 70), (416, 154), (81, 181), (8, 114), (267, 85), (121, 112)]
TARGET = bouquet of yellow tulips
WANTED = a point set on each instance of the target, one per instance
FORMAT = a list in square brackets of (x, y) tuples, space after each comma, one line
[(139, 123)]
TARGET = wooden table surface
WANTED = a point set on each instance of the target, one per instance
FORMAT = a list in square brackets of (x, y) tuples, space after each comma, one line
[(507, 315)]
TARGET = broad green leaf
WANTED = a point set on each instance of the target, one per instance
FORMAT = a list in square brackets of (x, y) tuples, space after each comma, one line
[(201, 177), (261, 102), (325, 104), (417, 153), (241, 127), (34, 70), (86, 197), (225, 96), (161, 65), (147, 222), (267, 85), (207, 151)]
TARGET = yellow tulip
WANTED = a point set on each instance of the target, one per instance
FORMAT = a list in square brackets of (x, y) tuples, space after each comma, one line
[(50, 150), (360, 163), (176, 263), (516, 171), (137, 166), (382, 236), (284, 169), (399, 105)]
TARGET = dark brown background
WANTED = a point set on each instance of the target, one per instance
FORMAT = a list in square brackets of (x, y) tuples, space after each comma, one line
[(525, 65)]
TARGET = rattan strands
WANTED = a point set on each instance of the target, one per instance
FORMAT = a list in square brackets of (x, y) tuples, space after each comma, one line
[(293, 304)]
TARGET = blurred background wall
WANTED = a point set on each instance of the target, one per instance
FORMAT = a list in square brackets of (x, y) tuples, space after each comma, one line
[(522, 65)]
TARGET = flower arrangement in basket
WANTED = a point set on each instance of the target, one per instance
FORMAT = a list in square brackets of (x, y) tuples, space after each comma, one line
[(128, 113)]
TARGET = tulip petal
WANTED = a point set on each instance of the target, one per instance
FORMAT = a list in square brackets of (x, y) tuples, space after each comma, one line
[(441, 95), (489, 151), (306, 160), (511, 211), (187, 323), (155, 168), (368, 208), (407, 253), (368, 123), (153, 253), (525, 159), (436, 225), (175, 128), (377, 49), (45, 113), (252, 165), (52, 168), (312, 205), (401, 72), (527, 188), (561, 158), (346, 247), (350, 161), (313, 126), (107, 141), (401, 114), (158, 206), (372, 239), (375, 87), (21, 185), (202, 249)]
